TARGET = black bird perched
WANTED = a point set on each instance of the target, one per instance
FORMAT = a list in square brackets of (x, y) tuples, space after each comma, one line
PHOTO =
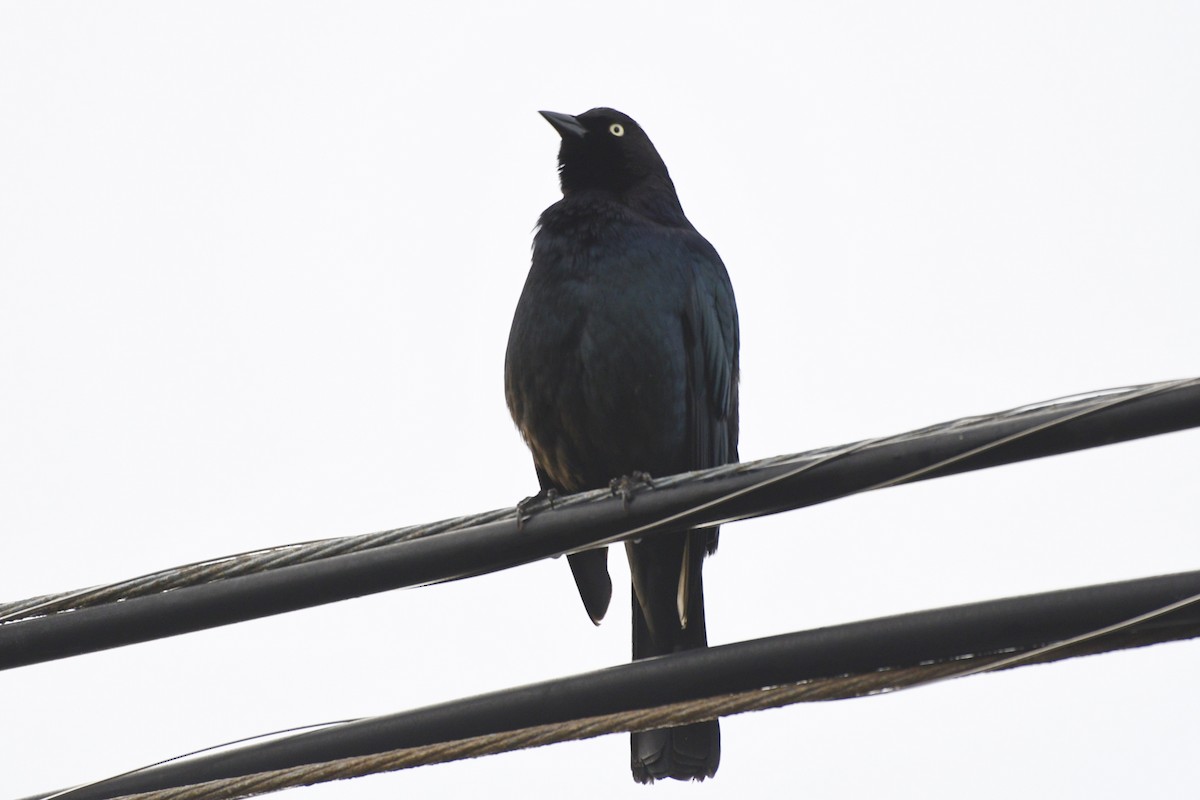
[(623, 358)]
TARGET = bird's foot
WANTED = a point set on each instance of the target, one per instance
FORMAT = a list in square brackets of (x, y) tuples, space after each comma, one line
[(623, 486), (549, 495)]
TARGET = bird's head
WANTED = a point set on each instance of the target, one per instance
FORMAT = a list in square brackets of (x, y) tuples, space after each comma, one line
[(604, 149)]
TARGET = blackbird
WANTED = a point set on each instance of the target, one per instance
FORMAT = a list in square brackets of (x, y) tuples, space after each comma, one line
[(623, 360)]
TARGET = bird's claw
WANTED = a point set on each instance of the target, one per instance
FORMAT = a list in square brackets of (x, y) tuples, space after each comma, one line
[(549, 495), (623, 486)]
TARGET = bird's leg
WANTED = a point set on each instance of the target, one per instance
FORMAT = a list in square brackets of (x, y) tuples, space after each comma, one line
[(623, 486), (549, 495)]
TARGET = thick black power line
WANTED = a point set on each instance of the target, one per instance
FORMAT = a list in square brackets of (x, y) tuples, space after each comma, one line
[(729, 493), (1011, 625)]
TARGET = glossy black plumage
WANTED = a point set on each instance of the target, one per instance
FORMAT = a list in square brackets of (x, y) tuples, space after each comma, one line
[(623, 358)]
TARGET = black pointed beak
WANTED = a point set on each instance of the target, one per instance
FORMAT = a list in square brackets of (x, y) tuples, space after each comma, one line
[(565, 124)]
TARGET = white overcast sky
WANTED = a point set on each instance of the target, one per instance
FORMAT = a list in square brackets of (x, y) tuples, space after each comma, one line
[(258, 262)]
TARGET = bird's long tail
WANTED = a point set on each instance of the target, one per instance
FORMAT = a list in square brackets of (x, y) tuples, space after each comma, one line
[(687, 752)]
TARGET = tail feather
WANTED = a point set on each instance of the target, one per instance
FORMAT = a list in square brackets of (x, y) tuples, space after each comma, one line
[(590, 569), (686, 752), (690, 752)]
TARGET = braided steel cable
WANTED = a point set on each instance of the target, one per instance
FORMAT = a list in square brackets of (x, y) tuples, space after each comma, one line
[(846, 660)]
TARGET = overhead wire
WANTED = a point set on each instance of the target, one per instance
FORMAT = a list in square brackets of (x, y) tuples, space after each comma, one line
[(265, 559), (694, 499), (844, 661)]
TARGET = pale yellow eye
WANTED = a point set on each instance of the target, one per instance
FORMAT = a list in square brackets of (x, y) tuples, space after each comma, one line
[(616, 129)]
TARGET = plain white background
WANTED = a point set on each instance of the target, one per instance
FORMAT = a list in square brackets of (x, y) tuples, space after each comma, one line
[(257, 266)]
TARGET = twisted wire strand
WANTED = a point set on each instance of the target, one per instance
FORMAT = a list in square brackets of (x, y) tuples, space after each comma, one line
[(232, 566), (263, 560), (541, 735)]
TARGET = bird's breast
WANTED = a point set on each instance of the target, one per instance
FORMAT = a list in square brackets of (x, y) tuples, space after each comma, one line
[(596, 367)]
